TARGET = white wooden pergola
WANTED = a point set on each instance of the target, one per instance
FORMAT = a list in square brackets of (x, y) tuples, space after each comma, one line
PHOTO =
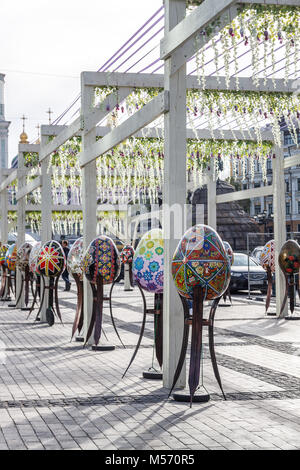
[(177, 47)]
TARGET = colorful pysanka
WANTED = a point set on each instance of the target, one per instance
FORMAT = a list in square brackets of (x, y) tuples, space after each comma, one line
[(51, 259), (229, 252), (74, 261), (267, 257), (101, 258), (148, 262), (3, 251), (33, 257), (201, 259), (23, 256), (289, 257), (11, 257), (127, 254)]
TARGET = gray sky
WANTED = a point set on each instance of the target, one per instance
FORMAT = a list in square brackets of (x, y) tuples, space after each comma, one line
[(46, 44)]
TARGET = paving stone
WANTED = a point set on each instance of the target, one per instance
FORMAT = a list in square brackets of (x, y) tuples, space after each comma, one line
[(56, 395)]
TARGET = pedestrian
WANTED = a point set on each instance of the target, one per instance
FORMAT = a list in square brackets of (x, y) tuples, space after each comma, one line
[(65, 274)]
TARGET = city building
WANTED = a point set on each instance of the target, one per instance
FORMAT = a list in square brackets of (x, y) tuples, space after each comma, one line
[(4, 125), (262, 208)]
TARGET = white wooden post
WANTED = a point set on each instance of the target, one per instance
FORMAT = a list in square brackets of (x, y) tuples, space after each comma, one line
[(174, 192), (211, 198), (279, 223), (89, 198), (4, 222), (21, 220), (46, 211)]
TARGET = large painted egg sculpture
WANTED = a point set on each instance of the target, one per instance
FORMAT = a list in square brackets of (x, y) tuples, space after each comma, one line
[(101, 258), (289, 257), (3, 251), (267, 257), (229, 252), (51, 259), (33, 257), (11, 257), (148, 262), (201, 259), (74, 261), (127, 254), (23, 256)]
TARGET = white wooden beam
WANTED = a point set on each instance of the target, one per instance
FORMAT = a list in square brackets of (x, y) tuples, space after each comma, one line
[(292, 161), (134, 123), (20, 224), (89, 200), (245, 194), (8, 180), (36, 183), (66, 134), (294, 3), (202, 16), (279, 223), (211, 197), (174, 197), (4, 209), (149, 80)]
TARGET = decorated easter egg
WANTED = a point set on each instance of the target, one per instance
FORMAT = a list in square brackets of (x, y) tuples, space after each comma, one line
[(267, 257), (23, 254), (3, 251), (148, 262), (101, 258), (51, 259), (33, 257), (11, 257), (127, 254), (229, 252), (201, 259), (289, 257), (74, 261)]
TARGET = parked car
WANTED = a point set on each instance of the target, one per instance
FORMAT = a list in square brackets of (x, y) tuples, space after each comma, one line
[(239, 274), (257, 252)]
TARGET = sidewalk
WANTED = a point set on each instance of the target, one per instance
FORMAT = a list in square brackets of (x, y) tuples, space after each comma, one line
[(56, 395)]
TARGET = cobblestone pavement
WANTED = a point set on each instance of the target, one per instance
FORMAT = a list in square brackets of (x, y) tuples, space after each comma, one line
[(56, 395)]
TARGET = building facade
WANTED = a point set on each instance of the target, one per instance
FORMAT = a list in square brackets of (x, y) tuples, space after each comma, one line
[(4, 125), (262, 208)]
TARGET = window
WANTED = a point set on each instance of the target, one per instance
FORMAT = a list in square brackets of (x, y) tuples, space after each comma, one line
[(257, 209), (298, 184), (287, 186), (245, 186), (298, 207), (257, 185), (288, 228), (298, 229), (270, 209), (288, 208), (269, 164)]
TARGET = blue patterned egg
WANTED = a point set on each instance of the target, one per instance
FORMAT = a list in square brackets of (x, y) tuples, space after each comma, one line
[(148, 262)]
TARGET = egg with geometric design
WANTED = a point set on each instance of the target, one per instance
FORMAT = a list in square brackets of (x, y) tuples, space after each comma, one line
[(200, 259)]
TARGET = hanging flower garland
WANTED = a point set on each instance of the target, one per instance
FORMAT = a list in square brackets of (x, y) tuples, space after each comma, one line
[(66, 222), (240, 106), (34, 219)]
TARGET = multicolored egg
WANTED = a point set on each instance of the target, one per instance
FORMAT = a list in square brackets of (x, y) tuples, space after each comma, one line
[(23, 256), (11, 257), (229, 252), (148, 262), (127, 254), (267, 257), (33, 257), (51, 259), (74, 261), (3, 251), (201, 259), (101, 258), (289, 257)]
